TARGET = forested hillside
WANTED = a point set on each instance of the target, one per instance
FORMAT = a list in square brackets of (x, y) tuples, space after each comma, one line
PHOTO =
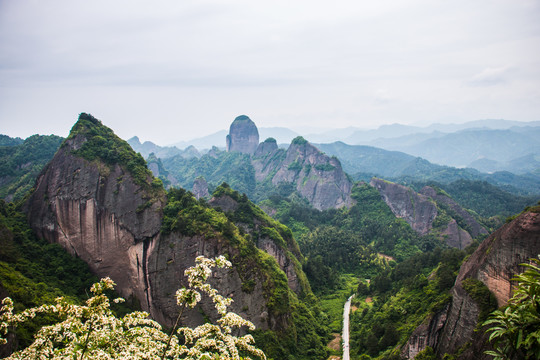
[(21, 162), (298, 248)]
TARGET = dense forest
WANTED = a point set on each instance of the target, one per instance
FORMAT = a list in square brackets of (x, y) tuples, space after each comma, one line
[(399, 277)]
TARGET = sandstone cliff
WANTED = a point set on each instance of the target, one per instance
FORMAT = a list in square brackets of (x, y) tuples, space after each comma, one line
[(97, 199), (474, 228), (431, 211), (243, 136), (494, 263), (418, 210), (316, 176)]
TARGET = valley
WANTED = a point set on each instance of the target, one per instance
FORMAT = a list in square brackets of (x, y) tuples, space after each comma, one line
[(421, 252)]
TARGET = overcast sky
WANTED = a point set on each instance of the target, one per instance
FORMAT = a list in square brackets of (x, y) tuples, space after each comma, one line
[(174, 70)]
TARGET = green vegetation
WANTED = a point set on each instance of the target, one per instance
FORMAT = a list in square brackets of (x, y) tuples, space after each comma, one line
[(233, 168), (9, 141), (325, 167), (100, 143), (185, 215), (93, 331), (400, 298), (22, 161), (332, 303), (299, 141), (481, 295), (515, 329), (34, 272), (485, 199)]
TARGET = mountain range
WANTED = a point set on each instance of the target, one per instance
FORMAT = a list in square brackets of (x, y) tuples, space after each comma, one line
[(300, 224)]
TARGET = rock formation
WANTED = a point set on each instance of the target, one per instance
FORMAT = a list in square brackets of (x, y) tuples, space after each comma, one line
[(243, 136), (420, 210), (417, 210), (316, 176), (268, 146), (200, 188), (474, 228), (102, 212), (495, 262)]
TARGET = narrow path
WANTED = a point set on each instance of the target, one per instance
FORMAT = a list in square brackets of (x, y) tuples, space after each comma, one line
[(346, 312)]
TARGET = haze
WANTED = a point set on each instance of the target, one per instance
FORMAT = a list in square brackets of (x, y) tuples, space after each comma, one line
[(174, 70)]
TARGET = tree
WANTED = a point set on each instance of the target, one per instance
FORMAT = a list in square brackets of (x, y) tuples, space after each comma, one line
[(515, 330), (92, 331)]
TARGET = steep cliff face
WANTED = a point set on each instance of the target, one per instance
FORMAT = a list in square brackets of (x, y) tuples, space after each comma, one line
[(494, 263), (200, 188), (98, 213), (427, 334), (99, 204), (417, 210), (431, 211), (268, 235), (474, 228), (497, 259), (316, 176), (243, 135)]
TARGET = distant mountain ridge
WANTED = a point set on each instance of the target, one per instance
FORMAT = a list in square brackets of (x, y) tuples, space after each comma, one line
[(362, 162)]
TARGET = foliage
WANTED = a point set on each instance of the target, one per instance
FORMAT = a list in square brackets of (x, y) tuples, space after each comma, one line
[(188, 216), (299, 140), (22, 161), (402, 297), (102, 144), (325, 167), (486, 199), (303, 332), (481, 295), (9, 141), (92, 331), (515, 329), (33, 272), (38, 260), (234, 168)]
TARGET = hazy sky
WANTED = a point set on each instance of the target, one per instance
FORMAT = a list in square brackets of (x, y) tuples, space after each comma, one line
[(174, 70)]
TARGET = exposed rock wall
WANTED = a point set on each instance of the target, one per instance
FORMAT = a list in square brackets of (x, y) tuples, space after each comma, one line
[(200, 188), (417, 210), (266, 147), (427, 334), (495, 262), (243, 136), (317, 177), (166, 265), (474, 227), (91, 210), (455, 236), (98, 212), (497, 259)]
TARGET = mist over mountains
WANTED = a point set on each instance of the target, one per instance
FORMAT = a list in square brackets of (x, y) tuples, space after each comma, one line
[(502, 152)]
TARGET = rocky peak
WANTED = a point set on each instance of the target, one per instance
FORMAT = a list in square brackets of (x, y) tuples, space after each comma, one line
[(268, 146), (417, 210), (200, 188), (318, 177), (97, 199), (243, 136)]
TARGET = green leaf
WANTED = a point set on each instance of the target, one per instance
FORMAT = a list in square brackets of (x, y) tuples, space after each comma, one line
[(519, 338)]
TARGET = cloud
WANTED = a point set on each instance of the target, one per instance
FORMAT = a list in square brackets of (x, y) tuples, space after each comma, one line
[(490, 77), (383, 97)]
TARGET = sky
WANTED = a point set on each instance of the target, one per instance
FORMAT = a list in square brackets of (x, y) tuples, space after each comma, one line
[(170, 70)]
